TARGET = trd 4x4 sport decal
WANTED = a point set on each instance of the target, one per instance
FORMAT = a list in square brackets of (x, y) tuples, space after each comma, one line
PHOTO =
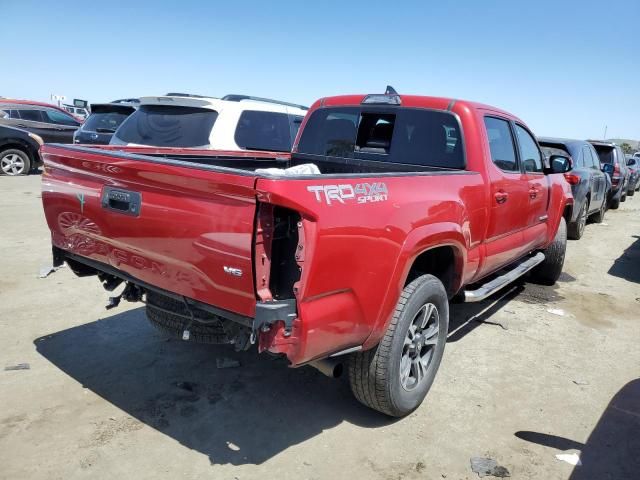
[(343, 193)]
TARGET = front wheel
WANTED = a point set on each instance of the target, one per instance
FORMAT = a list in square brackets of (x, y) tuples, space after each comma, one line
[(395, 376), (548, 272), (631, 192)]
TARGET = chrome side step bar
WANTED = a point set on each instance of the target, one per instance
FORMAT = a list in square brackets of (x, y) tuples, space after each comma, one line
[(502, 281)]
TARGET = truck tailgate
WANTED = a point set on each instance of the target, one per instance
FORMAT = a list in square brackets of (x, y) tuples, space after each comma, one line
[(183, 229)]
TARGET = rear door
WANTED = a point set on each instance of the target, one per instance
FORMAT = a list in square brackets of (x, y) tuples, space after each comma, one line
[(531, 159), (599, 182), (178, 226), (61, 126)]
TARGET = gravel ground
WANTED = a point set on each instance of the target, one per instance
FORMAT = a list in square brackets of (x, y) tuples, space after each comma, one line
[(527, 375)]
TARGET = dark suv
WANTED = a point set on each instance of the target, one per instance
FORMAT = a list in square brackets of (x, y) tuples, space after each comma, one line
[(103, 122), (49, 122), (589, 184), (615, 164)]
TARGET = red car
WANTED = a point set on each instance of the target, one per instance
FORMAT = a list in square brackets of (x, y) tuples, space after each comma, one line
[(411, 201)]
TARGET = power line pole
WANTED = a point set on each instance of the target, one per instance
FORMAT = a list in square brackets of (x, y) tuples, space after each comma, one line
[(605, 133)]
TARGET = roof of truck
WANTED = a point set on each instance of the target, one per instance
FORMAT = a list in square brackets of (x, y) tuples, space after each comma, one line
[(415, 101)]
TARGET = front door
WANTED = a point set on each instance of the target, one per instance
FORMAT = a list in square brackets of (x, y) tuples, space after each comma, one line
[(535, 232)]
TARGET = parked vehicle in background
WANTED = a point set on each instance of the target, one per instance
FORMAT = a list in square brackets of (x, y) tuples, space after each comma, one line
[(414, 200), (79, 112), (636, 155), (614, 163), (588, 183), (19, 151), (232, 123), (103, 122), (634, 177), (49, 122)]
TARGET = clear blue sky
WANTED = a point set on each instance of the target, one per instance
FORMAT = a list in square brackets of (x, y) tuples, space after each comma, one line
[(567, 68)]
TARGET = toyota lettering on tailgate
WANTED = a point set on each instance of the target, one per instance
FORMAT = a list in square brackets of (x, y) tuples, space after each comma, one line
[(345, 192)]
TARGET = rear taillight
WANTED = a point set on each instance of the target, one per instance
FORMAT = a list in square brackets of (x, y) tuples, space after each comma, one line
[(572, 178), (615, 178)]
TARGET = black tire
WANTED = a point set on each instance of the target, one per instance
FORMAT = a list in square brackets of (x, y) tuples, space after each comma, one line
[(615, 204), (8, 165), (631, 192), (575, 229), (598, 217), (548, 272), (173, 324), (375, 376), (623, 198)]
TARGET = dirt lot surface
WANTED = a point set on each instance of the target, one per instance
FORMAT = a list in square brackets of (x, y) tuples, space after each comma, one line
[(107, 397)]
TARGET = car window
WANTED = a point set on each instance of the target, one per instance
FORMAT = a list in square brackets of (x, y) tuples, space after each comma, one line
[(31, 115), (503, 151), (408, 136), (164, 126), (107, 122), (605, 153), (595, 162), (330, 132), (529, 152), (59, 118), (259, 130), (14, 114)]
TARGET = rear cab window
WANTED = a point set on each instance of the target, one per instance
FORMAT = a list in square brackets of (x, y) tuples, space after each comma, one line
[(168, 126), (409, 136)]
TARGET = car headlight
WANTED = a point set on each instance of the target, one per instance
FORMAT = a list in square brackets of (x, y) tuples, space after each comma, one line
[(37, 138)]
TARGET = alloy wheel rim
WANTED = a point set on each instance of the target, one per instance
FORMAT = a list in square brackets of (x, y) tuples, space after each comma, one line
[(583, 218), (12, 164), (419, 346)]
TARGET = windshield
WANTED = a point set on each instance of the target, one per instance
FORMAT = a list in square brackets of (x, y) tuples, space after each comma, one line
[(165, 126), (104, 122)]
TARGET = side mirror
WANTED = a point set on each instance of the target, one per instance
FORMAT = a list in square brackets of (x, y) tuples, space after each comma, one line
[(631, 162), (607, 168), (560, 164)]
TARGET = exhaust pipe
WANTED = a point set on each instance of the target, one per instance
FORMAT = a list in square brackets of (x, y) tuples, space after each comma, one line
[(331, 367)]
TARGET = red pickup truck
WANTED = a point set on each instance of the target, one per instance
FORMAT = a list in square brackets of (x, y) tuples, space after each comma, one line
[(418, 200)]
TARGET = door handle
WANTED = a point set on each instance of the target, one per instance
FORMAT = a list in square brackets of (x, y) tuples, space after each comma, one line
[(501, 197), (121, 201), (533, 192), (21, 125)]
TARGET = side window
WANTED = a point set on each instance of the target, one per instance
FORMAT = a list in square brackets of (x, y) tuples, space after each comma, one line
[(54, 116), (31, 115), (529, 152), (503, 152), (257, 130), (14, 114)]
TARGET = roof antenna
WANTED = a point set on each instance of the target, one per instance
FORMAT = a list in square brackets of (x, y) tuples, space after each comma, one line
[(390, 91)]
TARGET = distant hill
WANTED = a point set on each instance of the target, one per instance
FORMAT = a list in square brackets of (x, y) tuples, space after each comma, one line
[(635, 144)]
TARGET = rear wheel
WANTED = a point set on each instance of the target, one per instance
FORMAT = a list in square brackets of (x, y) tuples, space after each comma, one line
[(631, 192), (623, 198), (395, 376), (615, 204), (598, 217), (548, 272), (576, 229), (15, 162)]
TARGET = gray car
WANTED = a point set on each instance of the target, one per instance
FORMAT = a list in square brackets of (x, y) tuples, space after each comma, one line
[(589, 184), (49, 122)]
